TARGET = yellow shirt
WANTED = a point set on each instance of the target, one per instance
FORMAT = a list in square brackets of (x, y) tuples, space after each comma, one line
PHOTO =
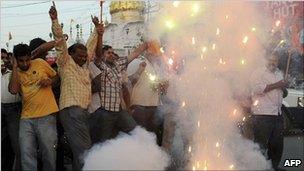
[(75, 79), (36, 101)]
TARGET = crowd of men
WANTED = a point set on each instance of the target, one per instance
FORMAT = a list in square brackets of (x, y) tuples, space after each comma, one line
[(91, 94)]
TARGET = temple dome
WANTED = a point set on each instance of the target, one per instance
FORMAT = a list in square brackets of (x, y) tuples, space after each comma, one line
[(119, 6)]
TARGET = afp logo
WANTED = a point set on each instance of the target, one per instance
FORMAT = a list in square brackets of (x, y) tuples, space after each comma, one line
[(292, 163)]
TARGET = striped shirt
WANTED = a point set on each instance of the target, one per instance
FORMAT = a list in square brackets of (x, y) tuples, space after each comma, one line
[(111, 83), (75, 79)]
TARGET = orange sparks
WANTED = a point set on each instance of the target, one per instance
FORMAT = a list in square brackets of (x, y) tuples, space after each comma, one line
[(189, 149), (217, 144), (277, 23), (183, 104), (234, 112), (256, 103), (231, 167), (213, 46), (193, 40), (245, 39), (170, 61)]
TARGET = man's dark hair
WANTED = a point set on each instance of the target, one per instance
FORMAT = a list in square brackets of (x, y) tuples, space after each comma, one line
[(35, 43), (106, 47), (21, 50), (3, 51), (9, 54), (75, 46)]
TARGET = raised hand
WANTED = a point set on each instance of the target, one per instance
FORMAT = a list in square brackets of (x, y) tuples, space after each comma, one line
[(59, 41), (95, 20), (142, 66), (14, 62), (100, 29), (283, 84), (53, 12), (45, 82)]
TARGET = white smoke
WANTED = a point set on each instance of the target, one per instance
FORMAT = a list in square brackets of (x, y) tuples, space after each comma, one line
[(135, 151), (220, 44)]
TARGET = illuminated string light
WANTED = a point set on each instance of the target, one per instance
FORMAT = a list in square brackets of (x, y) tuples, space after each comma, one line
[(227, 17), (253, 29)]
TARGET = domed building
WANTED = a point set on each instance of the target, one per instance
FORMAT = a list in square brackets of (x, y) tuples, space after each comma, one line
[(127, 26)]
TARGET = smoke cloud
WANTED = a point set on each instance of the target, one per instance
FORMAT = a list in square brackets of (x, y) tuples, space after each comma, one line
[(135, 151), (217, 46)]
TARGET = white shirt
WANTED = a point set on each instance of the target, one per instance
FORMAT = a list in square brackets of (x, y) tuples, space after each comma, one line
[(6, 96), (269, 103), (143, 92)]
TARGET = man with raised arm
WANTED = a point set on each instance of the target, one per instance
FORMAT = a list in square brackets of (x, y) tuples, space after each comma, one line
[(106, 73), (75, 89)]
